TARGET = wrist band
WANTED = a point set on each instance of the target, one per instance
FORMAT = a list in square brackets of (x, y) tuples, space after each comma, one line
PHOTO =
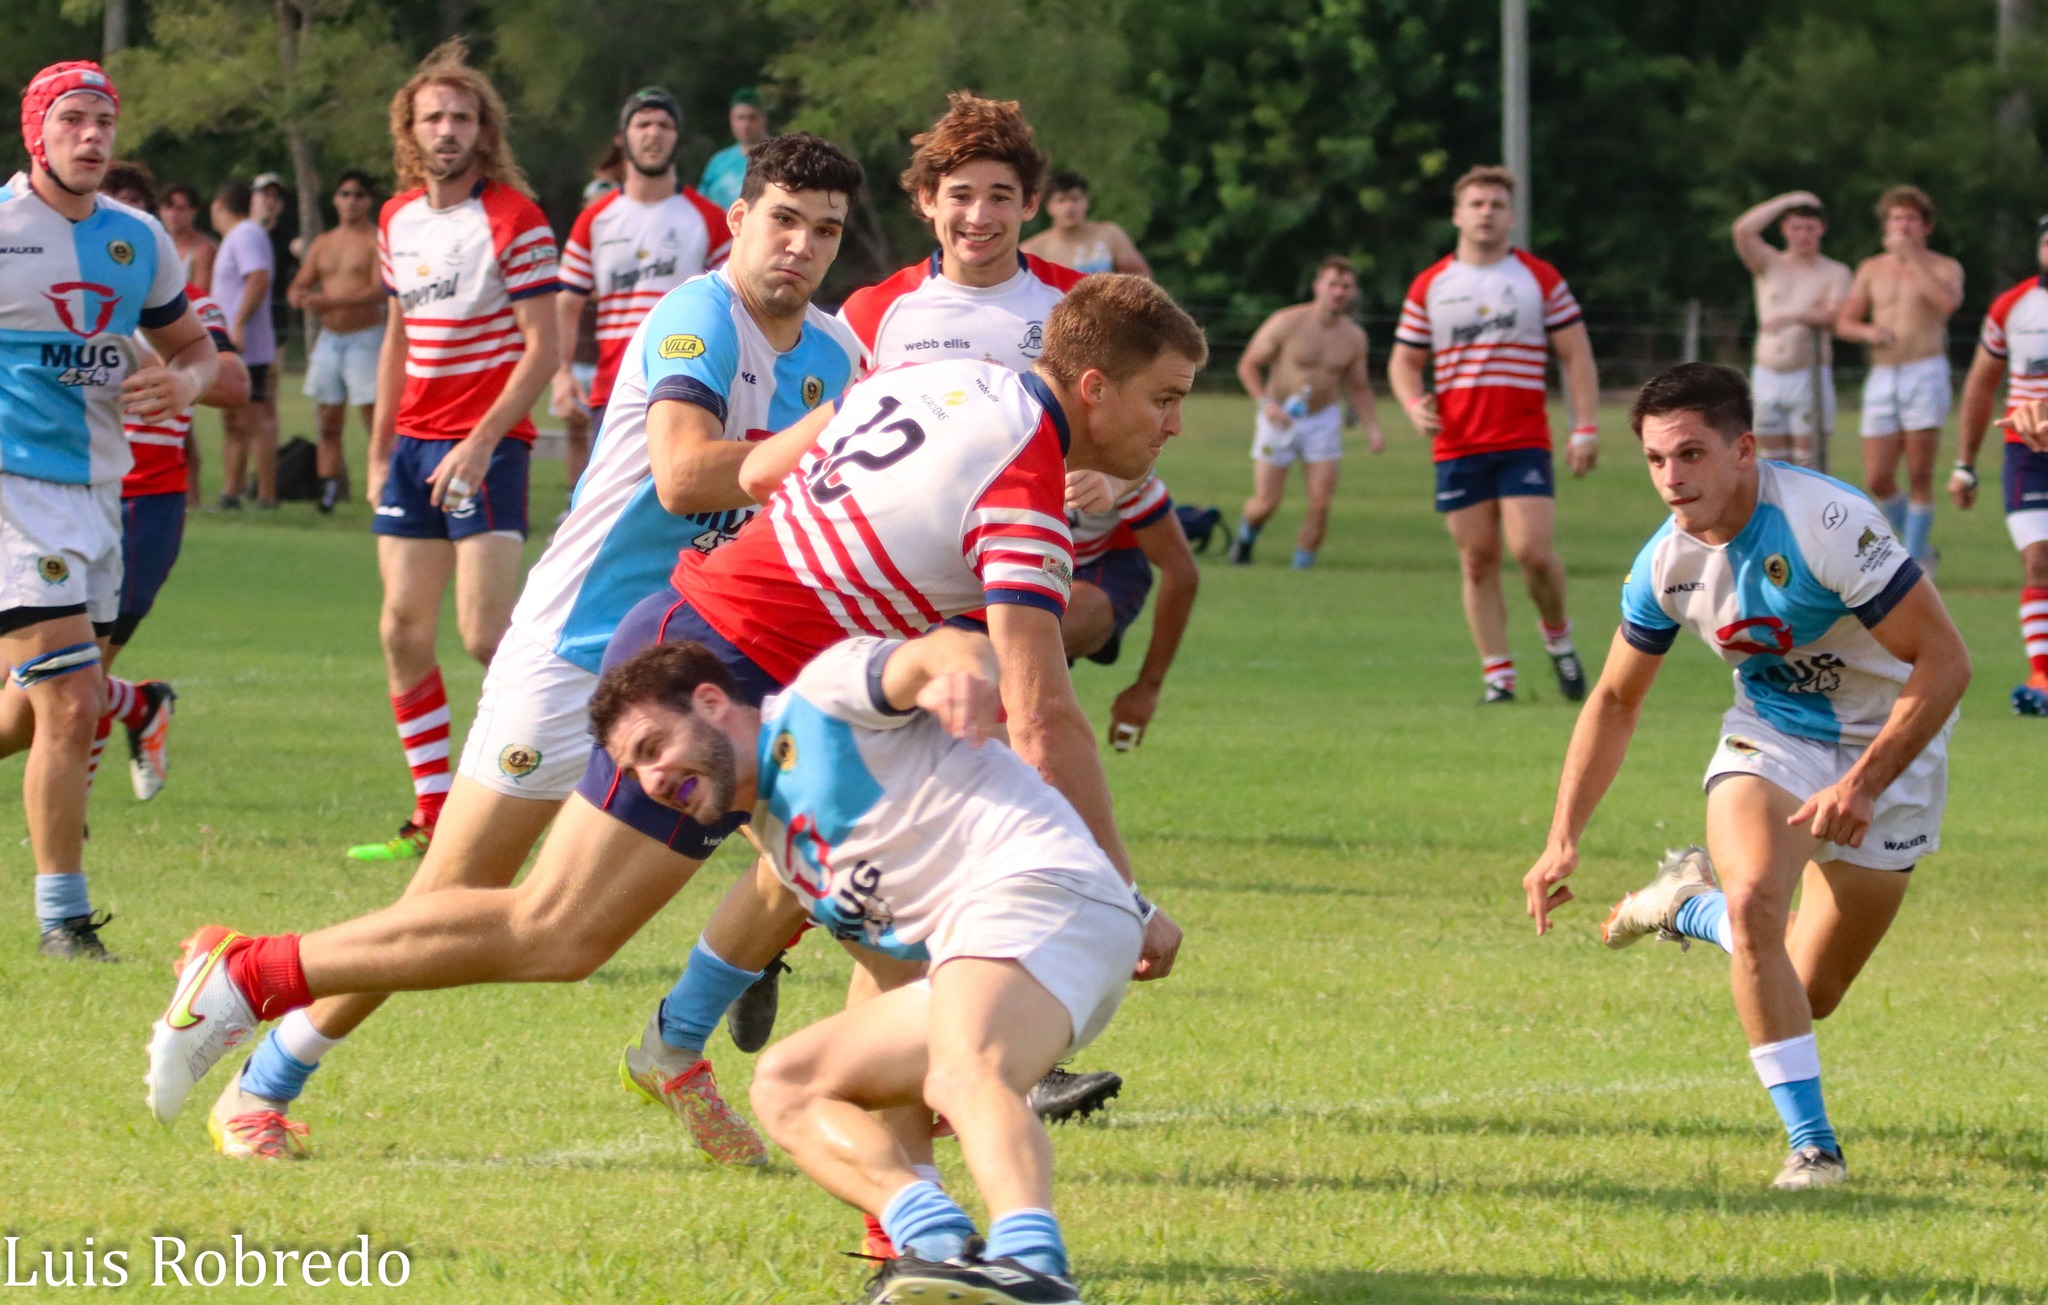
[(1146, 909), (1967, 472), (1584, 434)]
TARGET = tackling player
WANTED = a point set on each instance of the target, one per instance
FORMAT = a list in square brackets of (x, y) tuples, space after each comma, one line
[(1297, 361), (1117, 544), (1490, 314), (632, 246), (1832, 766), (83, 274), (469, 343), (2014, 344), (948, 482), (665, 479)]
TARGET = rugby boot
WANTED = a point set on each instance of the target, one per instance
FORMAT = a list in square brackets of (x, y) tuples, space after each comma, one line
[(1682, 875), (1240, 551), (874, 1243), (2030, 699), (208, 1017), (244, 1126), (1496, 693), (907, 1280), (1810, 1167), (665, 1076), (1062, 1095), (148, 743), (77, 939), (751, 1018), (1571, 675), (409, 845)]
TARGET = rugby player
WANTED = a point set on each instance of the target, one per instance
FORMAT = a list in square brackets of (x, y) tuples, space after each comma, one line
[(1898, 306), (83, 274), (338, 283), (632, 246), (1117, 545), (665, 480), (2013, 346), (1298, 360), (948, 482), (1074, 241), (1490, 315), (893, 820), (1831, 771), (1798, 291), (468, 263)]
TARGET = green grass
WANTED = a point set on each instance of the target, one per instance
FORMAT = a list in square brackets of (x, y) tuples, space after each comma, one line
[(1367, 1081)]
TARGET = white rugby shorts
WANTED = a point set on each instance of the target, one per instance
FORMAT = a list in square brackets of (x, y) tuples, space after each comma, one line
[(1906, 823), (343, 368), (60, 545), (531, 736), (1076, 932), (1318, 437), (1784, 400), (1907, 396)]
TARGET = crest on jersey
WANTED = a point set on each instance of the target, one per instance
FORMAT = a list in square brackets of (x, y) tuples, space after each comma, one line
[(1777, 570), (682, 346), (1034, 338), (814, 390), (423, 270), (1058, 569), (1834, 514), (121, 252), (953, 398), (783, 751), (85, 307), (1741, 747), (54, 570), (518, 760)]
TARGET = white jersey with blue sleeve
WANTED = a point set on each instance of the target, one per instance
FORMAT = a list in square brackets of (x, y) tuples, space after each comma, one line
[(72, 296), (878, 820), (1789, 603), (700, 346)]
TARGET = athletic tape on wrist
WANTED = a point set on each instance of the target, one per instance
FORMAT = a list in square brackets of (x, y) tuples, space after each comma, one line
[(1967, 472), (50, 665), (1146, 908)]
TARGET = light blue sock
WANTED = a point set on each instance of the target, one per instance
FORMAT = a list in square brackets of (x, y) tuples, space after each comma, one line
[(923, 1221), (1031, 1237), (1919, 530), (1247, 532), (59, 898), (1706, 918), (699, 1000), (1304, 558), (275, 1073), (1895, 512), (1790, 1071)]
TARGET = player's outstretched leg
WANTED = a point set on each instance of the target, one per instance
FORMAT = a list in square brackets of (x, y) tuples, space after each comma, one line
[(1683, 876)]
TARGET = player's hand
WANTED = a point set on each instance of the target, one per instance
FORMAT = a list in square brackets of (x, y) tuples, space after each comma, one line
[(1275, 414), (1133, 707), (1423, 413), (965, 703), (1839, 813), (1796, 198), (1090, 492), (1962, 489), (1544, 884), (157, 394), (2029, 421), (565, 393), (236, 331), (1162, 945), (1582, 455), (1375, 438), (1880, 337), (461, 473)]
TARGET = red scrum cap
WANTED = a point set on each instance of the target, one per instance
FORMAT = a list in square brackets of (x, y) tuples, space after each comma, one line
[(53, 84)]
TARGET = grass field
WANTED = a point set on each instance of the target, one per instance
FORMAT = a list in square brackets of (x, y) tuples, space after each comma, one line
[(1367, 1081)]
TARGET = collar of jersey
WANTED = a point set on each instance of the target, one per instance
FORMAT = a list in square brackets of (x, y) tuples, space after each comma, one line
[(936, 271), (1035, 385)]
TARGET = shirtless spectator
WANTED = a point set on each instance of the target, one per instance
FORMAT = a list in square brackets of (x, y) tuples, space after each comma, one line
[(1302, 360), (1073, 241), (1899, 306), (242, 277), (1798, 292), (339, 284)]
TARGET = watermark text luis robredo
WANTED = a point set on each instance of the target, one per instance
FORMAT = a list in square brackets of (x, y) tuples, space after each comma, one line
[(168, 1261)]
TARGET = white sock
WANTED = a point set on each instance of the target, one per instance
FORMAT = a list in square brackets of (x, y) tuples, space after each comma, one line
[(297, 1038)]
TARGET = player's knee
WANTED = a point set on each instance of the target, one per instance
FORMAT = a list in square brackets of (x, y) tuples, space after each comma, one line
[(781, 1089), (1479, 561), (69, 707), (555, 945), (479, 646), (1755, 917), (955, 1079)]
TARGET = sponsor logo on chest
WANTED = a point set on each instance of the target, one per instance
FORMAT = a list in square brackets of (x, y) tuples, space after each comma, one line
[(432, 292)]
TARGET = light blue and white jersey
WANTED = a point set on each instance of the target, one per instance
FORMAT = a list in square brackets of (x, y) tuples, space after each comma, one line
[(72, 296), (700, 346), (879, 820), (1789, 603)]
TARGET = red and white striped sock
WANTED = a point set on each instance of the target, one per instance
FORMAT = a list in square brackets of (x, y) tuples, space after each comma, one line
[(1557, 639), (124, 703), (2034, 629), (99, 746), (1500, 673), (422, 713)]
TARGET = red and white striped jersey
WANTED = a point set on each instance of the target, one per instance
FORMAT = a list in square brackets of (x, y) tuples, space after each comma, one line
[(456, 273), (1098, 533), (934, 491), (2016, 330), (1489, 331), (918, 315), (159, 448), (627, 255)]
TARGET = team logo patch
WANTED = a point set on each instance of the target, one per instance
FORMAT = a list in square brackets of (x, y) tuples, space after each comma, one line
[(814, 390), (121, 252), (783, 751), (1873, 548), (54, 570), (1058, 569), (1834, 514), (518, 760), (1741, 747), (424, 270), (85, 307), (682, 346), (1034, 338), (953, 398), (1777, 570)]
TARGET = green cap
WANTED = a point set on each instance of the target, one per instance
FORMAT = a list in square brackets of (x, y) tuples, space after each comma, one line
[(746, 95)]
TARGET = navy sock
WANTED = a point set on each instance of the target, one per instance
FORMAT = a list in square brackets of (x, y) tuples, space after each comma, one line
[(1032, 1238), (699, 1000), (923, 1221)]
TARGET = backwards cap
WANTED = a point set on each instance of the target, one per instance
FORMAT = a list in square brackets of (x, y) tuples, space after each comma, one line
[(53, 84), (650, 97)]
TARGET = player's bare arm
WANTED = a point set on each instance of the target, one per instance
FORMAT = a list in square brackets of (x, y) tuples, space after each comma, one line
[(1049, 730), (1973, 420), (190, 364), (1937, 277), (1853, 322), (1358, 385), (1166, 548), (952, 674), (696, 469), (1917, 631), (1405, 369), (768, 463), (1258, 359), (255, 295), (1758, 254), (1599, 744), (1581, 392), (470, 459), (1123, 253), (304, 291), (390, 388), (565, 390)]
